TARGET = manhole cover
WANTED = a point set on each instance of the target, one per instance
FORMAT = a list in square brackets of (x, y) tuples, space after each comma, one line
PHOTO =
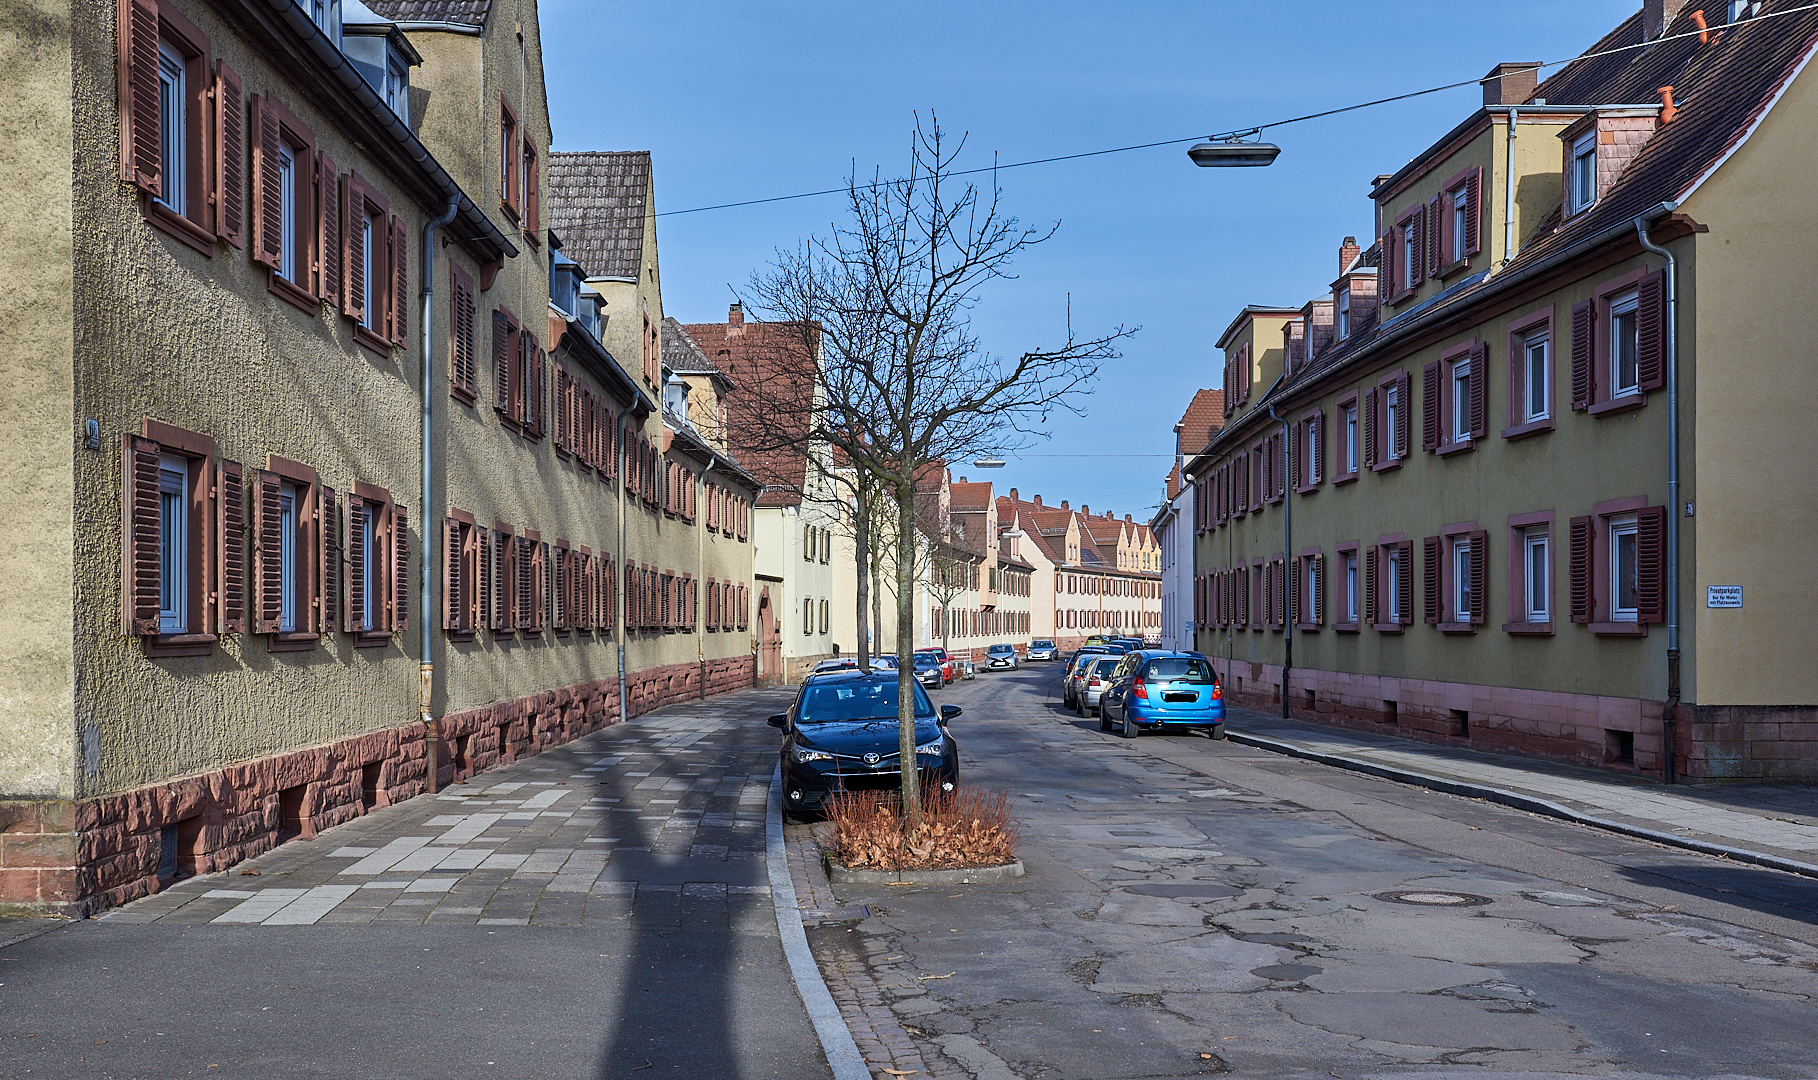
[(1433, 898)]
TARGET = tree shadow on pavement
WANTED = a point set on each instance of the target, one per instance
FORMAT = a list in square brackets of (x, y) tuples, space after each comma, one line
[(1767, 891)]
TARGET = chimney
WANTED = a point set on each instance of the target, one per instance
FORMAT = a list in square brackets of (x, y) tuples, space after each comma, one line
[(1347, 254), (736, 316), (1126, 517), (1511, 84), (1064, 504), (1657, 15), (1037, 501), (1083, 508), (962, 479)]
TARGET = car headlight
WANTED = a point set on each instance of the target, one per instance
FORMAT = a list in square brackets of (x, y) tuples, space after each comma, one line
[(937, 747), (804, 755)]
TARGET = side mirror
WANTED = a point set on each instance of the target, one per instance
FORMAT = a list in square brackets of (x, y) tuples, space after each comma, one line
[(779, 720), (948, 712)]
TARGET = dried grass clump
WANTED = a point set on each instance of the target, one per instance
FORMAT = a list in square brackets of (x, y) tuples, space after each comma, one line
[(961, 830)]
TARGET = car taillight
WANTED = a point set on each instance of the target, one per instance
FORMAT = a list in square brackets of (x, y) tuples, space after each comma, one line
[(1138, 689), (1217, 692), (1092, 682)]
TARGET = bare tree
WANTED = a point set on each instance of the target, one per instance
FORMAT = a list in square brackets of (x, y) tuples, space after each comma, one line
[(883, 363)]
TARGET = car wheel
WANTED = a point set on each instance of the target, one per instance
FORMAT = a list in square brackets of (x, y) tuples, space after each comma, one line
[(1104, 722), (1218, 731), (1129, 731)]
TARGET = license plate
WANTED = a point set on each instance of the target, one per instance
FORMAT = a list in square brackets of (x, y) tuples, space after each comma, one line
[(1180, 695)]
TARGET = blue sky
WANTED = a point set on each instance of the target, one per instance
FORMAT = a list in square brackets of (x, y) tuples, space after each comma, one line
[(753, 100)]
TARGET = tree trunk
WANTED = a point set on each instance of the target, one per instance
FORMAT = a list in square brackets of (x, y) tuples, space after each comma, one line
[(905, 648), (861, 543)]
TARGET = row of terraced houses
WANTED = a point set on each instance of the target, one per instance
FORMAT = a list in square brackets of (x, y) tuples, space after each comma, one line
[(354, 452), (1526, 475)]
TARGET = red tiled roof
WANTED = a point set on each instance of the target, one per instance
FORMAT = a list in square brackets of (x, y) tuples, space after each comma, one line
[(1204, 417), (962, 497), (773, 445)]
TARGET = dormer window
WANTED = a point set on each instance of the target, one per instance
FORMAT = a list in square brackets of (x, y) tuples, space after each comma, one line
[(380, 53), (1344, 313), (327, 15), (1582, 178)]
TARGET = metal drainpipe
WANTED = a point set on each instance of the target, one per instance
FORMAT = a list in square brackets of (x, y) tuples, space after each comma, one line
[(428, 668), (1508, 190), (624, 602), (1667, 718), (1287, 555), (700, 535)]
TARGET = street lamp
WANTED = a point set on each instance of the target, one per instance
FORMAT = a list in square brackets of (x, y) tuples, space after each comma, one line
[(1230, 150), (989, 463)]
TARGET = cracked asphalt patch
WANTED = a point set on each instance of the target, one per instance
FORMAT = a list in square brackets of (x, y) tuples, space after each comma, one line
[(1196, 907)]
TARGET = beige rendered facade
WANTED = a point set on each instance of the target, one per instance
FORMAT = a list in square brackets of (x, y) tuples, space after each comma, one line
[(1456, 517)]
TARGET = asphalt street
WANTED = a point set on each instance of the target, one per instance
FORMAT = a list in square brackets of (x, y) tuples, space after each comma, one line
[(597, 911), (1196, 907)]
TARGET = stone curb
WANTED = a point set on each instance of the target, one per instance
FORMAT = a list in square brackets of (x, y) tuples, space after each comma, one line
[(1530, 803), (842, 1052), (983, 875)]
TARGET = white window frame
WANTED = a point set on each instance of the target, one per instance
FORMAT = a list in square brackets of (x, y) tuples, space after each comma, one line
[(1461, 579), (1461, 401), (1351, 456), (290, 498), (1410, 254), (173, 544), (287, 213), (173, 126), (374, 232), (1537, 572), (1352, 596), (371, 596), (1627, 306), (1625, 526), (1583, 178), (1461, 218), (1344, 313), (1392, 571), (1535, 349), (1391, 412)]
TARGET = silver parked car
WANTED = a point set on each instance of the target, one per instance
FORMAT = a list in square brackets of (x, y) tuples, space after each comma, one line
[(1042, 650), (1094, 680), (1001, 658)]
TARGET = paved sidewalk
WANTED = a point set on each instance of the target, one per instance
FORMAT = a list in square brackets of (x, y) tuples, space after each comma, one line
[(1773, 825), (591, 912)]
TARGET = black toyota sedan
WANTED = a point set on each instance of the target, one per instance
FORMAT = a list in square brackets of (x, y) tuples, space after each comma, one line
[(841, 735)]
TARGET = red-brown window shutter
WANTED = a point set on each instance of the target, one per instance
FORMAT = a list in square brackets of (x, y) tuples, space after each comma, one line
[(462, 346), (1430, 559), (631, 596), (1401, 429), (1369, 585), (1584, 325), (267, 193), (451, 574), (1479, 392), (1480, 575), (1317, 459), (1584, 603), (524, 579), (1650, 565), (1473, 209), (1319, 589), (504, 351), (268, 569), (230, 157), (230, 547), (1369, 428), (1405, 584), (539, 377), (1385, 268), (141, 141), (564, 392), (1429, 406), (1433, 234), (353, 250), (1650, 331), (328, 533), (331, 219), (400, 282), (530, 195), (355, 608), (143, 525), (400, 569)]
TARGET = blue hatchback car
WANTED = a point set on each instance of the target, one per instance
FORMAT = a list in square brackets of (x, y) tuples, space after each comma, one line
[(1158, 690)]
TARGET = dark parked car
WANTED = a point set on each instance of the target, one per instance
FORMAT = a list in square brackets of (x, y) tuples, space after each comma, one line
[(1157, 690), (1070, 676), (945, 661), (1000, 658), (928, 671), (841, 735)]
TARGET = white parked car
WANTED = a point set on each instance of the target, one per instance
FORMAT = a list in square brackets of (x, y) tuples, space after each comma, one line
[(1042, 650), (1001, 658)]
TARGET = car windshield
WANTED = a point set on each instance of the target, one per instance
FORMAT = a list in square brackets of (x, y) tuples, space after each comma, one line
[(1044, 644), (857, 700), (1183, 669), (923, 663), (1101, 666), (1000, 649)]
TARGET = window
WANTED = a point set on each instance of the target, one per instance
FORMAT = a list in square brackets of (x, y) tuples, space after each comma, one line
[(378, 566), (327, 15), (1535, 381), (173, 127), (1352, 590), (1624, 576), (286, 230), (1624, 345), (1344, 313), (1581, 180), (508, 159), (375, 252), (1461, 580), (824, 616), (807, 617), (369, 298), (397, 88), (289, 502), (1460, 224), (1460, 420), (1349, 439), (1409, 251), (1392, 418), (527, 188), (174, 543), (1536, 566), (1392, 577)]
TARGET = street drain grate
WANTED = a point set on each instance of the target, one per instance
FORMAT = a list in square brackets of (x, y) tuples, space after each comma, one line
[(1433, 898)]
